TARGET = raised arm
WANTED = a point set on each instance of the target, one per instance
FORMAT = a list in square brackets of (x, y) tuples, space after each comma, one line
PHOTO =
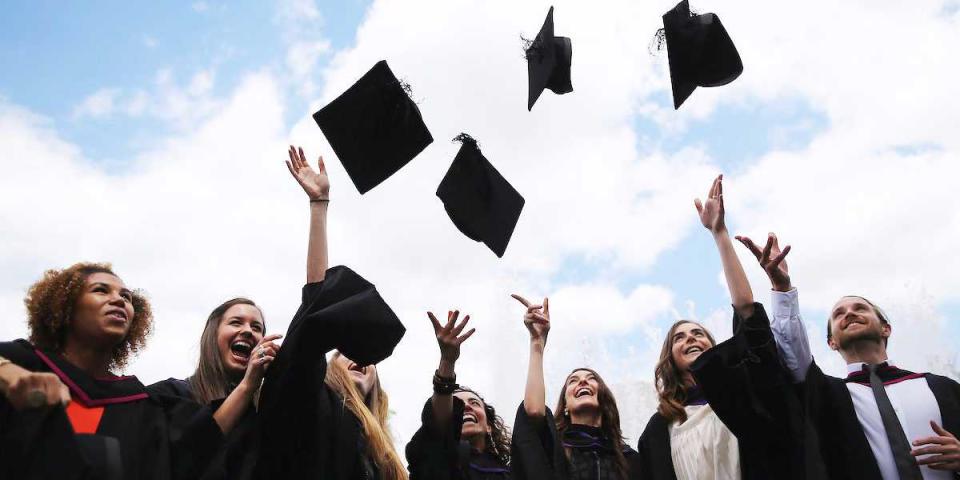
[(788, 328), (537, 321), (712, 217), (316, 185), (449, 339)]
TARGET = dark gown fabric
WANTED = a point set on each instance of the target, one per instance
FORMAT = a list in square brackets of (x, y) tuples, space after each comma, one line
[(435, 456), (809, 430), (539, 452), (139, 436), (307, 431), (237, 457)]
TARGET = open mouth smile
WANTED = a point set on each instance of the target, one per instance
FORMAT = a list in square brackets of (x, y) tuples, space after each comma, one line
[(241, 349), (470, 418), (583, 392)]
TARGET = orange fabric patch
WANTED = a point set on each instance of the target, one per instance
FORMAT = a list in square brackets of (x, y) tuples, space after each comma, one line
[(84, 419)]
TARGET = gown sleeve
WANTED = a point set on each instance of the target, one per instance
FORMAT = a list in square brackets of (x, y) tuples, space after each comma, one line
[(536, 449), (434, 455), (296, 409), (752, 392)]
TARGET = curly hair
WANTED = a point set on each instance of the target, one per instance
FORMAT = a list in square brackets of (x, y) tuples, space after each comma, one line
[(498, 443), (671, 391), (50, 306)]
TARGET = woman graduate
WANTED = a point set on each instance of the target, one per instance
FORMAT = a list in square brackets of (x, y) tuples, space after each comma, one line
[(321, 420), (462, 437), (696, 382), (84, 325), (585, 441)]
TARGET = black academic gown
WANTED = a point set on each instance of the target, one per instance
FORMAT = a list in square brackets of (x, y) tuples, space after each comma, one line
[(236, 458), (139, 436), (435, 456), (540, 453), (307, 431)]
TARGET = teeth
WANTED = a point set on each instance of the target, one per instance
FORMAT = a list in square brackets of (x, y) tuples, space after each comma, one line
[(583, 391)]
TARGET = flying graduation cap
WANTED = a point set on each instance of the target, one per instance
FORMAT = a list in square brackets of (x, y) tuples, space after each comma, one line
[(700, 52), (480, 202), (548, 63), (374, 127)]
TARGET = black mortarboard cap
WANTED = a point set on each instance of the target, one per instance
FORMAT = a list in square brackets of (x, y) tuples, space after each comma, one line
[(479, 201), (700, 52), (374, 127), (548, 63)]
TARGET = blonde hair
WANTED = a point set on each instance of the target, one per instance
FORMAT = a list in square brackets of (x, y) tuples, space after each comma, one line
[(372, 412)]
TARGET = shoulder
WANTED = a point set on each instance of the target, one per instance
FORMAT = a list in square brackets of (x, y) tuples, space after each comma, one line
[(173, 387), (657, 421), (20, 352)]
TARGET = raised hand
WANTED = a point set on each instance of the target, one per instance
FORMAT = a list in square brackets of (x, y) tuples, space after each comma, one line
[(315, 183), (711, 212), (448, 335), (944, 450), (260, 358), (772, 259), (536, 318)]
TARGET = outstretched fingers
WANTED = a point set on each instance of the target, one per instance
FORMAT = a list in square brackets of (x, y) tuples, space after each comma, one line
[(779, 258), (460, 326), (436, 323), (524, 301), (750, 245)]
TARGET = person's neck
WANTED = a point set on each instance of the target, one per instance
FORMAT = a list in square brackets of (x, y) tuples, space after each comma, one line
[(478, 442), (590, 418), (93, 361), (867, 351)]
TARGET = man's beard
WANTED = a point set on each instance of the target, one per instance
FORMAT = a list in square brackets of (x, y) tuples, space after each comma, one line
[(865, 335)]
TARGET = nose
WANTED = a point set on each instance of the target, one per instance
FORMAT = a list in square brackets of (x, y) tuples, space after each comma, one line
[(116, 299)]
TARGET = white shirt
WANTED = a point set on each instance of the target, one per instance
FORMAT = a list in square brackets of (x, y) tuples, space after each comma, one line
[(912, 400), (703, 448)]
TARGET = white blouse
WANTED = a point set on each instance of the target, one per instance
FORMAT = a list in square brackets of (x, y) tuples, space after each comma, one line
[(703, 448)]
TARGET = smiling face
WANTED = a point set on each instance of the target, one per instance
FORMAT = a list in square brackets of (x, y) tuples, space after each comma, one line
[(689, 341), (475, 423), (240, 329), (852, 320), (581, 392), (103, 312), (363, 377)]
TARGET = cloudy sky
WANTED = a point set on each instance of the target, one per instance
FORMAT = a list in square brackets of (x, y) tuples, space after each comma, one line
[(153, 137)]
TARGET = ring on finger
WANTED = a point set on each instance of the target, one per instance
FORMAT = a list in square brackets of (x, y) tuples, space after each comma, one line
[(262, 353), (36, 398)]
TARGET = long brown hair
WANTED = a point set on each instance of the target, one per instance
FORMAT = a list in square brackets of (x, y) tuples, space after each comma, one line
[(609, 418), (498, 442), (373, 413), (211, 381), (51, 300), (668, 378)]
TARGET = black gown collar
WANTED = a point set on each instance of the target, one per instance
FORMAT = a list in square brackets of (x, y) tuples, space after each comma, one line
[(91, 391), (485, 462), (585, 437), (888, 374)]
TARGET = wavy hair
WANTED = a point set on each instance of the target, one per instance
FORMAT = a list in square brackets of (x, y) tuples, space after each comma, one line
[(373, 413), (609, 418), (498, 441), (671, 391), (50, 305)]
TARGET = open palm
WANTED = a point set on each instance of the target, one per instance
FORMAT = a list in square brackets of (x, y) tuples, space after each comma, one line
[(315, 183), (711, 211)]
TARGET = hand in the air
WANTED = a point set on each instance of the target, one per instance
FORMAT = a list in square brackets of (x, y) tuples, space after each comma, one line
[(711, 212), (536, 319), (448, 335), (315, 183), (772, 259)]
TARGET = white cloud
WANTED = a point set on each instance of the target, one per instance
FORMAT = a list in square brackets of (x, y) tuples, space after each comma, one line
[(97, 105), (200, 7)]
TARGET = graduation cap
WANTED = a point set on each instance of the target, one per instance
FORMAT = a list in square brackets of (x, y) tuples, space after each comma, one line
[(548, 63), (700, 52), (478, 199), (374, 127)]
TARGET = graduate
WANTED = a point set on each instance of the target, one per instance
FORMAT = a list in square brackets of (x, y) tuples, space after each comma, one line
[(320, 419), (880, 422), (688, 438), (585, 442), (65, 413), (462, 437)]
